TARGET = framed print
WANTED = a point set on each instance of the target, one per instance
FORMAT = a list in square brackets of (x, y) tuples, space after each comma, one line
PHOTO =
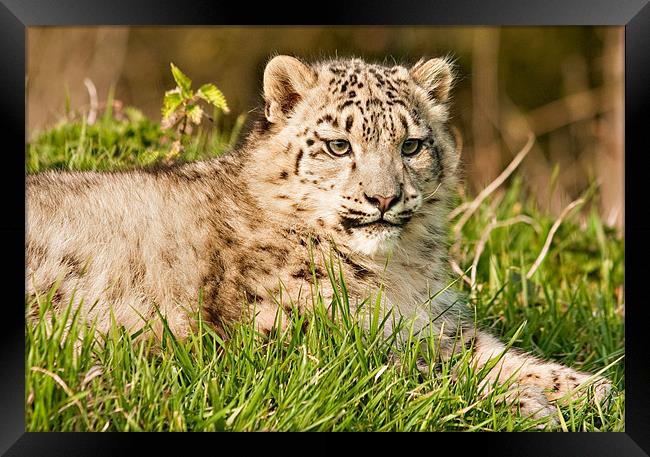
[(407, 219)]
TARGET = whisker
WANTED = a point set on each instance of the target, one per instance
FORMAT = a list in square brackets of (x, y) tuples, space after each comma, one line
[(349, 216), (433, 193)]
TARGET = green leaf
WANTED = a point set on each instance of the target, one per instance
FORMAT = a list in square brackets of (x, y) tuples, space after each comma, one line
[(181, 79), (172, 100), (195, 113), (211, 94)]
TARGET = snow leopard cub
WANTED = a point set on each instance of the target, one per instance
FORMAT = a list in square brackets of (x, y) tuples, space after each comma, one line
[(350, 157)]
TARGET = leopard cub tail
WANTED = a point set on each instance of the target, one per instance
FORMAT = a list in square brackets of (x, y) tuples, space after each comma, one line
[(536, 385)]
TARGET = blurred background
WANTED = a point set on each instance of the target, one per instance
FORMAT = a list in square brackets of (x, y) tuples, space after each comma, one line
[(564, 84)]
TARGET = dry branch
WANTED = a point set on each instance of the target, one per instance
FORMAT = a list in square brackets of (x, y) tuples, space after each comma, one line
[(473, 206), (61, 383), (549, 238), (485, 236), (92, 94), (456, 268)]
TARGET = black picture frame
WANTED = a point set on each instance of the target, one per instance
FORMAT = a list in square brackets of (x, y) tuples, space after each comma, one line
[(17, 15)]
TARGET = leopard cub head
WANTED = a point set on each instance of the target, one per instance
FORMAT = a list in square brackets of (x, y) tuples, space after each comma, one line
[(358, 149)]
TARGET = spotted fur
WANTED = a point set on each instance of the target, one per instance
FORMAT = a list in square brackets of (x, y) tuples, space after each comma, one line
[(248, 233)]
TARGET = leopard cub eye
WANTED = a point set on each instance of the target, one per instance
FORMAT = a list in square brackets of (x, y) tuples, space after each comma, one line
[(338, 147), (411, 146)]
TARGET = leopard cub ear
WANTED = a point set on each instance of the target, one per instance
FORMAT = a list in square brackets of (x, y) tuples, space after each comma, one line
[(435, 76), (285, 81)]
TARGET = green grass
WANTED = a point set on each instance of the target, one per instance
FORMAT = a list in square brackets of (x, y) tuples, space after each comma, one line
[(330, 376), (124, 141)]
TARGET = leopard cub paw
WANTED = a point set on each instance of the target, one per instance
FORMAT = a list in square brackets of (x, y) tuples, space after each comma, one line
[(530, 401)]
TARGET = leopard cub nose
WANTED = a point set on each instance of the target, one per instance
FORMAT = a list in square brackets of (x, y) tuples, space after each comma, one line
[(381, 202)]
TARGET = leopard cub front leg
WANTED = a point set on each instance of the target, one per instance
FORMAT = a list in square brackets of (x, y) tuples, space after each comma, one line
[(537, 385)]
